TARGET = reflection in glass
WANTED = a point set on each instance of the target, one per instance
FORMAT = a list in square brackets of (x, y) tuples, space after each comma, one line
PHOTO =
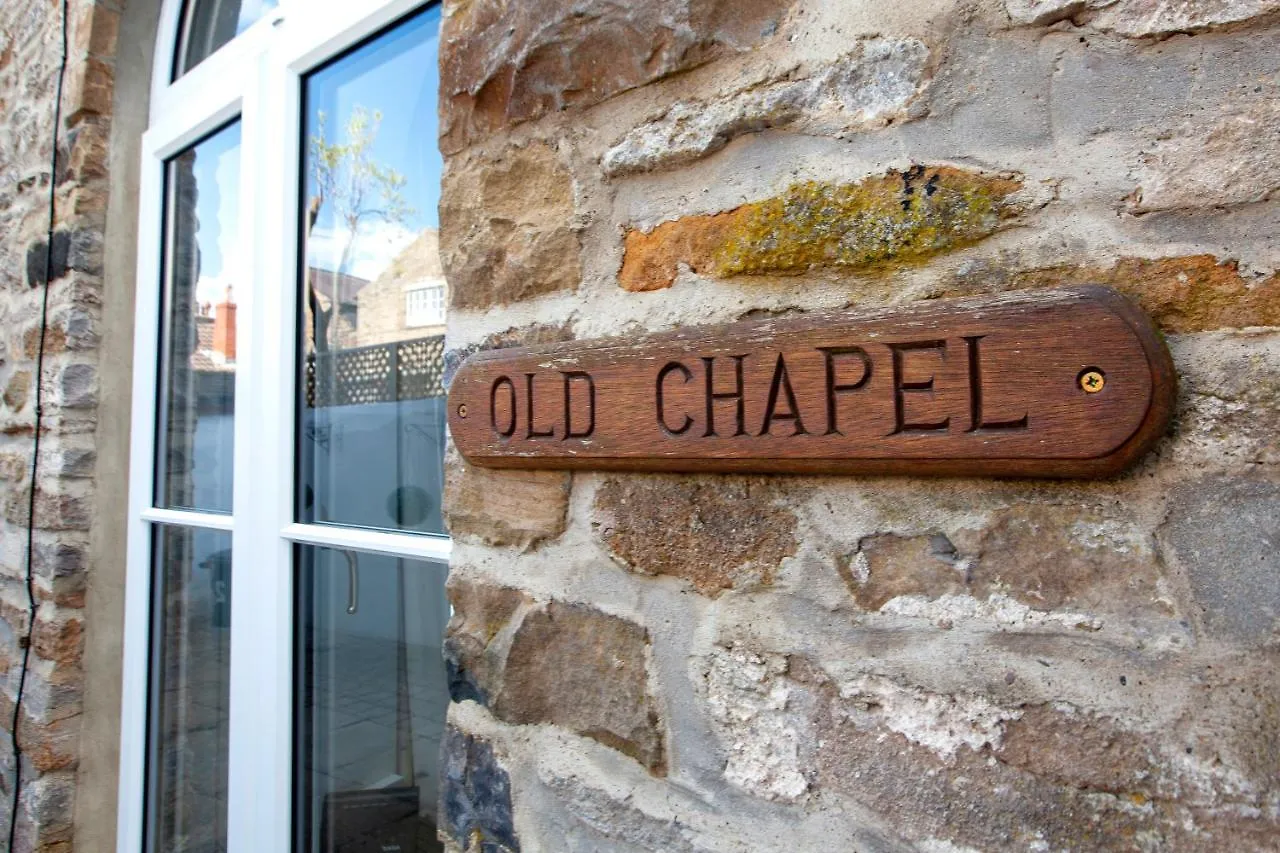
[(209, 24), (197, 383), (190, 692), (371, 414), (373, 701)]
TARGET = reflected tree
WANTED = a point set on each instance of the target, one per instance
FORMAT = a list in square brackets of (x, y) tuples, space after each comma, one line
[(358, 190)]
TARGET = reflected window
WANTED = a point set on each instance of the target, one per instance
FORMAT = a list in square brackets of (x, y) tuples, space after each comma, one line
[(198, 368), (371, 414), (424, 306), (190, 691), (373, 701), (209, 24)]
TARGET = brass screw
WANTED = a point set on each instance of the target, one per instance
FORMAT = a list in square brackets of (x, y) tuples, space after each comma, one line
[(1092, 381), (462, 410)]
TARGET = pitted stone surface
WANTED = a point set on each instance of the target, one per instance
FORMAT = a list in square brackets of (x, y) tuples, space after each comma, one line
[(869, 87), (506, 63), (573, 666), (505, 227), (1224, 532), (1223, 161), (1140, 18), (727, 533), (506, 508)]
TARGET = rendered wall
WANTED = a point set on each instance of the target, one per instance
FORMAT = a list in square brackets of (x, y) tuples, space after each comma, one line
[(730, 663)]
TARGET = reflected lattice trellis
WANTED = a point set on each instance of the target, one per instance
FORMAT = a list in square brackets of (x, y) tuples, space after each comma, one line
[(384, 373)]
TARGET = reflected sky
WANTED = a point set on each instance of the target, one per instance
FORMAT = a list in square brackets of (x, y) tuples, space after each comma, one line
[(396, 76), (251, 11), (217, 172)]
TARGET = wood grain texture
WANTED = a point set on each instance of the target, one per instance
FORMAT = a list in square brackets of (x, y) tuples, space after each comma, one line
[(966, 387)]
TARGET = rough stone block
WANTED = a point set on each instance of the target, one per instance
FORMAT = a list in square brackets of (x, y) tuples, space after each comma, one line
[(58, 636), (51, 747), (1229, 409), (89, 88), (480, 612), (1222, 531), (475, 796), (78, 386), (14, 466), (871, 86), (761, 722), (1053, 557), (572, 666), (887, 566), (43, 266), (899, 218), (17, 391), (506, 230), (505, 63), (1141, 18), (1081, 750), (505, 508), (972, 773), (1190, 293), (611, 819), (717, 534), (1227, 160), (69, 462)]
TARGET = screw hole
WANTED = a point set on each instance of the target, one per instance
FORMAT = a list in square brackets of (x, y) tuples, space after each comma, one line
[(1092, 380)]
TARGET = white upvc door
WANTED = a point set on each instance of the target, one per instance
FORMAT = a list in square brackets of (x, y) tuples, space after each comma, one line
[(257, 80)]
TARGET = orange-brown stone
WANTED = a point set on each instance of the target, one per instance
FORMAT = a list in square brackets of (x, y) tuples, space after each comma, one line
[(1192, 293)]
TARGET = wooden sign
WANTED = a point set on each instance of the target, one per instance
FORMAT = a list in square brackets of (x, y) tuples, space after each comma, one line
[(1067, 383)]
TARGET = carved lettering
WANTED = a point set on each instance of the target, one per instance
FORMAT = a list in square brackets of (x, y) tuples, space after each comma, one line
[(686, 374), (571, 376), (530, 430), (782, 382), (834, 389), (976, 420), (967, 388), (510, 429), (901, 388), (713, 397)]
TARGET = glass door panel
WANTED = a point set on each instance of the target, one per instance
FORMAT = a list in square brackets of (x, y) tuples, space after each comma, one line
[(198, 364), (190, 692), (374, 701), (371, 414)]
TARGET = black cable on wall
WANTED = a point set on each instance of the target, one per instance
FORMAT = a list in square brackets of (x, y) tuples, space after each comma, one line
[(25, 640)]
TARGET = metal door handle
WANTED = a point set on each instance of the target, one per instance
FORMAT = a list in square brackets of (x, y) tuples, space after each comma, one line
[(353, 581)]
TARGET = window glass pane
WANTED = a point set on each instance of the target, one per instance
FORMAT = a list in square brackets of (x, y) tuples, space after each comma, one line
[(371, 413), (373, 701), (209, 24), (197, 383), (190, 691)]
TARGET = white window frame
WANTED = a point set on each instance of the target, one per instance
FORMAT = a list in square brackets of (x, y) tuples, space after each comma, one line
[(258, 77)]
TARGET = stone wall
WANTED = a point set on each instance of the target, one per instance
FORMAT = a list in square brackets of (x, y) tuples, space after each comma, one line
[(51, 713), (731, 663)]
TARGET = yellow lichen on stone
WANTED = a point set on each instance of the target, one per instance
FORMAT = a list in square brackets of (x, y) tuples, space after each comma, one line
[(898, 218), (894, 219)]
